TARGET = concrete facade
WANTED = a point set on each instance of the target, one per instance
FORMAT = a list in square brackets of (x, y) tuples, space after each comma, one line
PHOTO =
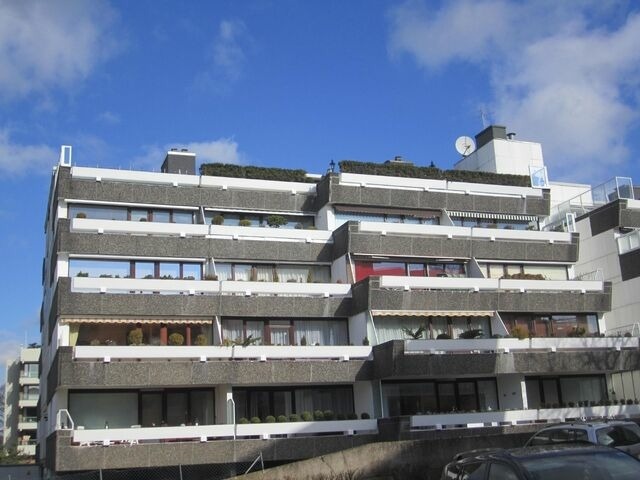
[(188, 342)]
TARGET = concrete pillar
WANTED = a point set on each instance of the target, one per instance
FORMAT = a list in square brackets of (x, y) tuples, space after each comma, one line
[(223, 414), (363, 398)]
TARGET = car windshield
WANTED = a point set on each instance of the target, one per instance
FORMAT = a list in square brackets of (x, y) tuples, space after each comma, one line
[(613, 465), (619, 435)]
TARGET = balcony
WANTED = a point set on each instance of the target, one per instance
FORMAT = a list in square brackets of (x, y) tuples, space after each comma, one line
[(28, 424), (86, 225), (204, 433), (507, 345), (206, 287), (203, 354), (29, 449), (477, 284), (520, 417)]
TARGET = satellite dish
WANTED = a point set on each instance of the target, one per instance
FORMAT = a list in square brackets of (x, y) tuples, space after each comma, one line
[(465, 145)]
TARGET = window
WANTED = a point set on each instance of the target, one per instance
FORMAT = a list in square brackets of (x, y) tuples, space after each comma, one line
[(618, 435), (287, 332), (500, 471)]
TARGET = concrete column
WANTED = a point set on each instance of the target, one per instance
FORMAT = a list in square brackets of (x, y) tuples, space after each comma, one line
[(363, 399), (223, 394)]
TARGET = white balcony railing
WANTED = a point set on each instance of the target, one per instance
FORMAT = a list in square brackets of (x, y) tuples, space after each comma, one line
[(506, 345), (204, 433), (254, 352), (176, 180), (628, 242), (89, 225), (466, 232), (210, 287), (516, 417), (423, 184), (477, 284)]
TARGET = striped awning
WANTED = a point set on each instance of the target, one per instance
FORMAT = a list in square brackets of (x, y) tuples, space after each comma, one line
[(499, 216), (386, 210), (112, 320), (432, 313)]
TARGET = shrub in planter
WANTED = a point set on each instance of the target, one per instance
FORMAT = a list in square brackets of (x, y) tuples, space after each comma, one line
[(629, 401), (341, 416), (135, 337), (572, 404), (176, 339), (329, 415), (519, 332), (607, 403), (303, 341), (364, 416), (81, 215), (201, 339), (281, 419), (577, 332), (217, 220), (294, 417), (443, 336), (276, 221), (471, 334), (318, 415), (94, 342), (352, 416), (299, 226), (307, 417), (270, 419), (243, 421), (256, 420), (365, 341), (244, 223), (82, 274)]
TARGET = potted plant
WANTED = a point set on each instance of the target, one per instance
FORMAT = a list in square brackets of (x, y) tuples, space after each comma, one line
[(176, 339), (201, 340), (276, 221), (417, 334), (217, 220), (135, 336), (245, 222)]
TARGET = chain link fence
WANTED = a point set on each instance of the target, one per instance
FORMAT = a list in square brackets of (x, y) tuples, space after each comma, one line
[(216, 471)]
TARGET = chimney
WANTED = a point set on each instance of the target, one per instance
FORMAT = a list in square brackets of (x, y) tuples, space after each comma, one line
[(182, 161), (490, 133)]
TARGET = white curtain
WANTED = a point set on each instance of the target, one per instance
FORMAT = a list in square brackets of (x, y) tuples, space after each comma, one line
[(438, 326), (293, 274), (480, 323), (232, 330), (391, 328), (321, 275), (264, 273), (256, 330), (223, 271), (242, 273), (458, 325), (279, 336), (321, 331)]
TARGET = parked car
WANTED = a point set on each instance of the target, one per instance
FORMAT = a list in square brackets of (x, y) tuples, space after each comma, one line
[(619, 434), (545, 462)]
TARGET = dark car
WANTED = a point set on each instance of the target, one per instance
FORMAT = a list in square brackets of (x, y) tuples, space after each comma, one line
[(545, 462), (623, 435)]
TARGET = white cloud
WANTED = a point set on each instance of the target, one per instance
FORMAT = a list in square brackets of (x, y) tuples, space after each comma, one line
[(222, 150), (17, 159), (109, 118), (555, 77), (51, 44), (228, 52), (226, 58)]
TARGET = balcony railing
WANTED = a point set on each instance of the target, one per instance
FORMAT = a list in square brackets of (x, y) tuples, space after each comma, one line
[(88, 225), (519, 417), (262, 353), (203, 433), (221, 183), (466, 232), (422, 184), (207, 287), (477, 284), (507, 345), (628, 242)]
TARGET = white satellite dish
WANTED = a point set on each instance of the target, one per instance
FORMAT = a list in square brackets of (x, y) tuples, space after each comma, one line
[(465, 145)]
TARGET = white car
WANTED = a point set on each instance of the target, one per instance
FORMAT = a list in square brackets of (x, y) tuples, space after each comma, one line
[(619, 434)]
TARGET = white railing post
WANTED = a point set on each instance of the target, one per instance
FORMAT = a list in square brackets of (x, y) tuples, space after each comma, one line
[(61, 424)]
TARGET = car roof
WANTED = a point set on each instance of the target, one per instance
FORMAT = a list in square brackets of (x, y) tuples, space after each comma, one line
[(585, 425), (471, 456)]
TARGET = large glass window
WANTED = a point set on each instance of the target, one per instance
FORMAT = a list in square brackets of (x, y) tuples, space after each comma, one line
[(263, 402), (98, 212), (432, 269), (99, 268), (557, 391), (423, 397), (287, 332), (553, 325)]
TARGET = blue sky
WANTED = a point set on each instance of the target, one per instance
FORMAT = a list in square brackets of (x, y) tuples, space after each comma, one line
[(295, 84)]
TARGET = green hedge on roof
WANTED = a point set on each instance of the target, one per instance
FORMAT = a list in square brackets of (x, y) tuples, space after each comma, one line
[(259, 173), (412, 171)]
